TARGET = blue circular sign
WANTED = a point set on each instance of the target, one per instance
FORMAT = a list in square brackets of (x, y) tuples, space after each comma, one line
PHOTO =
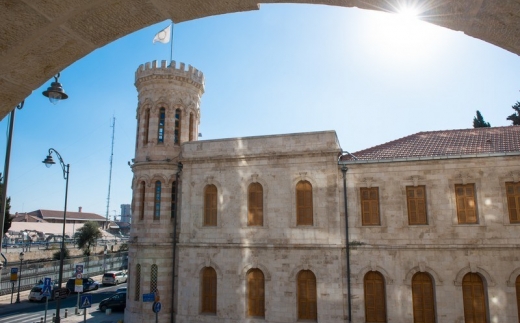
[(156, 307)]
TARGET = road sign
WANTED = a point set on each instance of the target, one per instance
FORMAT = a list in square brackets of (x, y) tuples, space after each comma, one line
[(79, 270), (86, 301), (78, 286), (14, 274), (156, 307), (46, 291), (149, 297), (47, 281)]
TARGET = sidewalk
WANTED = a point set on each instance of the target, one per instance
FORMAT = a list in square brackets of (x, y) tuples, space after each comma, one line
[(93, 315)]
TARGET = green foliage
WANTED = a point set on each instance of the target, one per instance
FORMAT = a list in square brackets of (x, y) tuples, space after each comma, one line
[(515, 117), (7, 219), (87, 236), (478, 121), (56, 255)]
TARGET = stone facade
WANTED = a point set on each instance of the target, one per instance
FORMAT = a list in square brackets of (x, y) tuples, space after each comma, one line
[(280, 248), (443, 248)]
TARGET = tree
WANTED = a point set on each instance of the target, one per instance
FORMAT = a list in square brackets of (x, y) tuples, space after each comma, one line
[(515, 117), (7, 219), (57, 254), (87, 236), (478, 121)]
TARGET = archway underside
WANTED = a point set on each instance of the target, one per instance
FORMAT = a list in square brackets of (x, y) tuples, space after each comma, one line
[(40, 38)]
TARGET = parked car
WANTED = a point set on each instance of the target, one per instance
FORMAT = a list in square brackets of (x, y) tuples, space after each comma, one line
[(114, 278), (36, 293), (121, 290), (116, 302), (88, 284)]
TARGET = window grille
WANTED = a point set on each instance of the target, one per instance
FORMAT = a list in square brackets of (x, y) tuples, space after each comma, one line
[(137, 294), (153, 279)]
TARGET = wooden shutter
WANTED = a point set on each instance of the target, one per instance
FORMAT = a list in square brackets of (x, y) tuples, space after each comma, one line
[(370, 206), (513, 201), (466, 206), (474, 299), (307, 296), (304, 210), (210, 205), (375, 298), (256, 293), (423, 300), (209, 291), (416, 200), (255, 215)]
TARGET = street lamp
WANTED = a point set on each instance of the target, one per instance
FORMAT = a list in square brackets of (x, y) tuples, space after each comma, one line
[(55, 92), (19, 277), (49, 162)]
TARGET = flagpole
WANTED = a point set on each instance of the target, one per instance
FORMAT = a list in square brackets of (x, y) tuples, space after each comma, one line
[(171, 43)]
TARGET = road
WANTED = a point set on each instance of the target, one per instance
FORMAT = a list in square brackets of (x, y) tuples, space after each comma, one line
[(32, 312)]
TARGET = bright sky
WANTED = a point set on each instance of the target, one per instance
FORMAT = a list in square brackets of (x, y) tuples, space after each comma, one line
[(372, 77)]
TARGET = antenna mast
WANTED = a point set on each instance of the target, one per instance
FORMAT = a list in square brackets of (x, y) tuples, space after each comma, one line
[(110, 174)]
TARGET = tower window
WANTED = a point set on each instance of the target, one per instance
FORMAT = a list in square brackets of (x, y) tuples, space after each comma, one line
[(153, 279), (304, 203), (210, 205), (141, 206), (146, 126), (174, 200), (191, 127), (137, 282), (255, 214), (177, 132), (160, 129), (157, 201)]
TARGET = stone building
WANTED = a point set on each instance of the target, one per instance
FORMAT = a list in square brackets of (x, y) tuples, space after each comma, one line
[(260, 229)]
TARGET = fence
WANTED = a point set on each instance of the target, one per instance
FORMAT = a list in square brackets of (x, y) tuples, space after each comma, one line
[(32, 272)]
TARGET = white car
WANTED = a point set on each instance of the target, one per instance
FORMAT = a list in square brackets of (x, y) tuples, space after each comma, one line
[(36, 294), (114, 278)]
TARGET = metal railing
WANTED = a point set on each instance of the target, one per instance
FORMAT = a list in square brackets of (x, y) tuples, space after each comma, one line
[(33, 272)]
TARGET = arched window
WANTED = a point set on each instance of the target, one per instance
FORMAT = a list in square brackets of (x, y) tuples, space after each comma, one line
[(142, 200), (375, 298), (255, 293), (146, 126), (255, 207), (177, 131), (209, 291), (137, 134), (160, 128), (174, 200), (210, 205), (137, 284), (517, 283), (304, 203), (307, 300), (157, 201), (191, 127), (474, 298), (423, 299), (153, 279)]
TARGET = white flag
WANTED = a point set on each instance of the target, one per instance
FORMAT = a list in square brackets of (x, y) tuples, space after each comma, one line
[(163, 36)]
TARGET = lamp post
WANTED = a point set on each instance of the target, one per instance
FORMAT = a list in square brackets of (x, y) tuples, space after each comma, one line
[(49, 162), (19, 277)]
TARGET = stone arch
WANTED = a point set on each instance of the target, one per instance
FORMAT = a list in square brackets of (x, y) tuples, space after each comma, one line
[(158, 177), (361, 274), (417, 269), (511, 282), (46, 57), (265, 271), (207, 263), (142, 178), (474, 269), (297, 269), (162, 102)]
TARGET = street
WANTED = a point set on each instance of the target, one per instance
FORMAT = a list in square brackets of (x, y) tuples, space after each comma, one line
[(29, 312)]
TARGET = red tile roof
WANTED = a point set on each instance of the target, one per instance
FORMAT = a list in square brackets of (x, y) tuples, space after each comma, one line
[(52, 214), (446, 143)]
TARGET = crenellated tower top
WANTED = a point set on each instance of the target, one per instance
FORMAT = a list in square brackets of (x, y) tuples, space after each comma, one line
[(152, 71)]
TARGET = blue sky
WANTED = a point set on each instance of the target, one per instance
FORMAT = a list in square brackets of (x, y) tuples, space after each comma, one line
[(372, 77)]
